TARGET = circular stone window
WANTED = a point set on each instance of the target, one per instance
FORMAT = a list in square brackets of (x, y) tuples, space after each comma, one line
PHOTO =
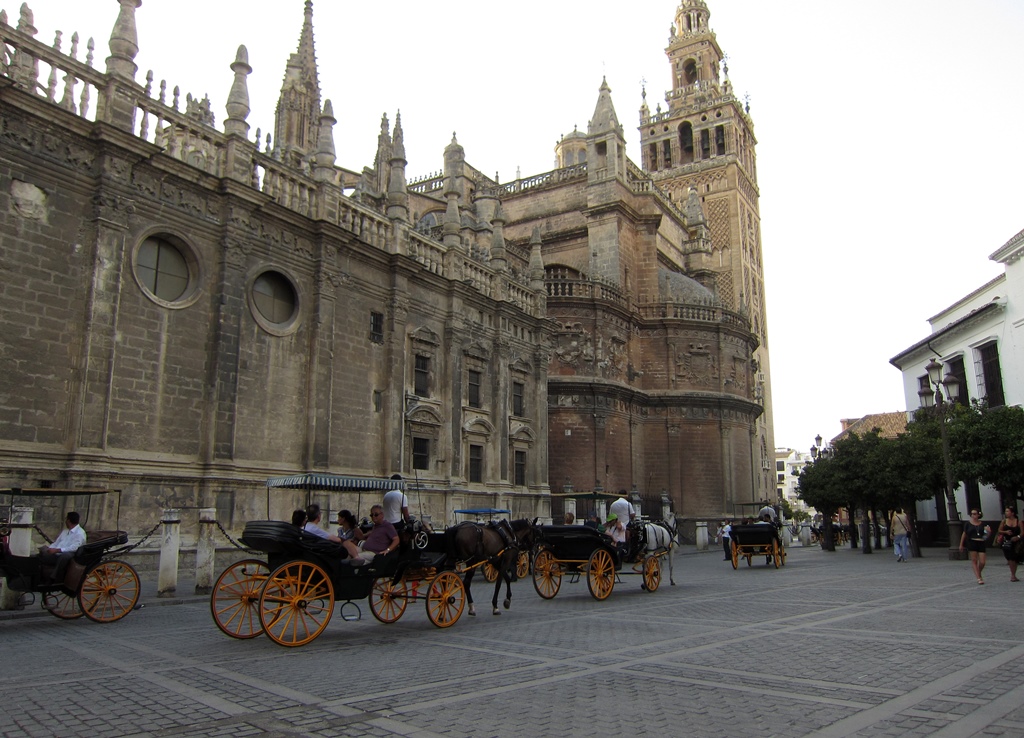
[(165, 269), (274, 302)]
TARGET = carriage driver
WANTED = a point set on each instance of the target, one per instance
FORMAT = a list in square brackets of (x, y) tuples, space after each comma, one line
[(396, 507), (382, 539), (61, 551)]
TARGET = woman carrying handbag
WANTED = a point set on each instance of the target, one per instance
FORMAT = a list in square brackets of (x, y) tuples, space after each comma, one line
[(1009, 540)]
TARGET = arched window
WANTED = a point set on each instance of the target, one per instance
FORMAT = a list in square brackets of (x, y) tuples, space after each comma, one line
[(690, 73), (686, 144)]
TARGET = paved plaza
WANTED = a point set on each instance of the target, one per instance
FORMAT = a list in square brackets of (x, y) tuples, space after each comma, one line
[(832, 644)]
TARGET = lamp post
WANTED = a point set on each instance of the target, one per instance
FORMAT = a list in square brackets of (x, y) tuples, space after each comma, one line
[(943, 409), (818, 452)]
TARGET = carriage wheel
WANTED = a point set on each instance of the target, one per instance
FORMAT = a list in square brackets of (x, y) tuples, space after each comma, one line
[(446, 597), (749, 555), (652, 573), (296, 603), (109, 591), (388, 601), (547, 574), (490, 572), (735, 556), (600, 574), (235, 601), (782, 552), (776, 555), (62, 605), (523, 565)]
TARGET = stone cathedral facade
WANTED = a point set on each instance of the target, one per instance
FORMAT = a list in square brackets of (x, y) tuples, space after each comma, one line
[(188, 309)]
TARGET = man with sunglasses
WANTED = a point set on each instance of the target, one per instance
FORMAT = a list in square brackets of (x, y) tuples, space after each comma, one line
[(382, 539)]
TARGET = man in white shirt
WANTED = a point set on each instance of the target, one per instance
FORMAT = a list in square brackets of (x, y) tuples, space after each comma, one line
[(61, 551), (396, 507), (623, 510)]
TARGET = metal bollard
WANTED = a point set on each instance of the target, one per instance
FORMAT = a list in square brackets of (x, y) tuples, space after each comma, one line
[(702, 535), (206, 550), (167, 582), (20, 543)]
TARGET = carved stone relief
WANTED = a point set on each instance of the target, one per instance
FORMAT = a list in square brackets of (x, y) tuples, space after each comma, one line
[(28, 200)]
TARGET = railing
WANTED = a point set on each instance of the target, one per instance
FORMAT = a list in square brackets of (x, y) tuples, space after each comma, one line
[(20, 60), (428, 253), (430, 183), (691, 312), (557, 176), (288, 188)]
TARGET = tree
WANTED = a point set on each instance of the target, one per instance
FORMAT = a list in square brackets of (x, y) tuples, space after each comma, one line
[(821, 487), (987, 444)]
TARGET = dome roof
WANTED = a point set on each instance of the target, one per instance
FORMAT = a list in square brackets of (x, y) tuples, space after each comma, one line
[(680, 288)]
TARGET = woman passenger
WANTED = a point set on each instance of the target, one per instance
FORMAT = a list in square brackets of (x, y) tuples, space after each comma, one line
[(348, 528)]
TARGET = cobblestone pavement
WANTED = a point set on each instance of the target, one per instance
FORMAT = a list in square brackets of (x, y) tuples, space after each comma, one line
[(838, 644)]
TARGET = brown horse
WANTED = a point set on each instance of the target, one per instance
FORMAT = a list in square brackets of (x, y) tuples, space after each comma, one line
[(497, 543)]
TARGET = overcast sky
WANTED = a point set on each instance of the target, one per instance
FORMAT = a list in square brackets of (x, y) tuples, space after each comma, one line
[(890, 159)]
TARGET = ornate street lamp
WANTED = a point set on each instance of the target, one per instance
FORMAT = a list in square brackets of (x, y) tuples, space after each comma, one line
[(944, 410)]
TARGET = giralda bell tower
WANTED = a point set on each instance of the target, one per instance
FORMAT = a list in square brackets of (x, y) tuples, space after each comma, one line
[(704, 139)]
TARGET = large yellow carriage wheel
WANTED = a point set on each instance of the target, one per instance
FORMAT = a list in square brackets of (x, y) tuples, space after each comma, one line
[(388, 601), (652, 573), (490, 572), (547, 574), (296, 603), (235, 602), (109, 591), (523, 565), (735, 555), (61, 605), (776, 553), (600, 574), (782, 553), (446, 597)]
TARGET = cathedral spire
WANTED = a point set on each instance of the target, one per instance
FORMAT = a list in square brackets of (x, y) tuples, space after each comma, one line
[(298, 108), (605, 120), (398, 193)]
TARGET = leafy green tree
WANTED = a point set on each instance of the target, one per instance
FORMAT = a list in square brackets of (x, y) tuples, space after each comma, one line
[(820, 486), (987, 444)]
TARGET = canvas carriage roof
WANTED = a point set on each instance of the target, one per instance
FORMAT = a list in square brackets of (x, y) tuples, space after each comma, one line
[(336, 482), (484, 511)]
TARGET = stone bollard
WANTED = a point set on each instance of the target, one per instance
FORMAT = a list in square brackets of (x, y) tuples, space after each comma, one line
[(787, 535), (167, 581), (20, 543), (805, 534), (206, 550), (702, 535)]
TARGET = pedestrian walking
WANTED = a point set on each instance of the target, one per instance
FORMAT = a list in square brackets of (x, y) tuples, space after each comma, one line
[(1008, 538), (976, 535), (900, 527), (724, 535)]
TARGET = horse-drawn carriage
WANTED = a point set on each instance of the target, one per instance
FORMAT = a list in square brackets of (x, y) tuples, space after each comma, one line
[(291, 596), (93, 585), (581, 550), (760, 539)]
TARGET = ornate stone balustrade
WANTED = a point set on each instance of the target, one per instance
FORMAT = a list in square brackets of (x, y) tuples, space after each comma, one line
[(26, 62), (289, 188), (429, 253), (692, 313), (557, 176), (427, 184)]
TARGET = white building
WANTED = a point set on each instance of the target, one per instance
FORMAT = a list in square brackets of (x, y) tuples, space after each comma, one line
[(978, 340), (788, 464)]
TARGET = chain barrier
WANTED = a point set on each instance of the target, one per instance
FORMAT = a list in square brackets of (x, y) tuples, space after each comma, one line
[(131, 547), (39, 530), (235, 543)]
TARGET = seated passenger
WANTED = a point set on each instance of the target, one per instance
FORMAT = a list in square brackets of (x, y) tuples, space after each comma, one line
[(299, 519), (382, 539), (61, 551), (615, 530), (348, 528), (312, 526)]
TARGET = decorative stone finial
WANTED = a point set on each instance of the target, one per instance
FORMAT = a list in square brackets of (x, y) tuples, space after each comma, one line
[(124, 42), (238, 97)]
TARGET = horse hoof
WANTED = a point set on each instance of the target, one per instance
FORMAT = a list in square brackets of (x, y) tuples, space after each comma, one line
[(472, 611), (507, 604), (496, 612)]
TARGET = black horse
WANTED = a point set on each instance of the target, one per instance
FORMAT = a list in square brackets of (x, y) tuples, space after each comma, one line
[(497, 543)]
